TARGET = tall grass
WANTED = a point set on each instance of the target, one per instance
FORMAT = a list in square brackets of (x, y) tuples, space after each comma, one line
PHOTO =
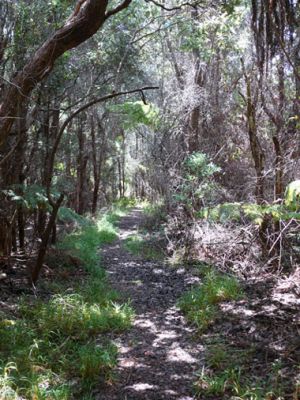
[(54, 348)]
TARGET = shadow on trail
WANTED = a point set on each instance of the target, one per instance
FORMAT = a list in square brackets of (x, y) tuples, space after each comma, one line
[(158, 356)]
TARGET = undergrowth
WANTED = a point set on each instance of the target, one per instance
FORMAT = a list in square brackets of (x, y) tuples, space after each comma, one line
[(139, 245), (53, 348), (229, 369), (229, 374), (147, 242), (155, 216), (235, 212), (200, 304)]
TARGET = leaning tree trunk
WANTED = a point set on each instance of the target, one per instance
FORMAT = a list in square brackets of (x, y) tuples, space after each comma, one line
[(87, 18)]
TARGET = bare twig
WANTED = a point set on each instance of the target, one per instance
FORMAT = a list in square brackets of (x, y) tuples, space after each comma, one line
[(179, 7)]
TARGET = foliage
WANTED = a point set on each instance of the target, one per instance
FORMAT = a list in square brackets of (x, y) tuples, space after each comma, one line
[(198, 180), (94, 360), (85, 239), (233, 381), (229, 373), (292, 196), (29, 196), (200, 303), (198, 165), (125, 203), (71, 315), (66, 214), (194, 55), (236, 212), (137, 112), (51, 342), (155, 216), (140, 246)]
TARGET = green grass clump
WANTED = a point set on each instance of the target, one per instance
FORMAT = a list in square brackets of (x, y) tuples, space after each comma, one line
[(125, 203), (70, 315), (234, 383), (200, 303), (50, 339), (50, 349), (229, 373), (96, 361), (139, 246), (83, 243)]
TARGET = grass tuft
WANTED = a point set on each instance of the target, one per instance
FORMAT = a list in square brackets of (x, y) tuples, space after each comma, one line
[(229, 374), (95, 361), (139, 246), (200, 303), (50, 349)]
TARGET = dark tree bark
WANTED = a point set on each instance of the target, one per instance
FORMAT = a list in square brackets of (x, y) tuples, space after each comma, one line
[(87, 18), (45, 240), (97, 160), (276, 117), (82, 161), (11, 168), (256, 149)]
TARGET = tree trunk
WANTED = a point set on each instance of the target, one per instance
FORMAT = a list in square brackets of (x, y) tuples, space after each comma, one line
[(45, 240), (88, 17), (256, 149), (81, 171), (21, 227), (120, 178), (12, 178), (97, 163)]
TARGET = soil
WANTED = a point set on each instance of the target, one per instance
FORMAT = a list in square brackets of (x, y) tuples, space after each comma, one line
[(160, 355), (159, 358)]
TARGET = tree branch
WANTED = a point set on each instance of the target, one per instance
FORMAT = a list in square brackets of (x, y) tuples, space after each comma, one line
[(78, 111), (119, 8), (187, 4)]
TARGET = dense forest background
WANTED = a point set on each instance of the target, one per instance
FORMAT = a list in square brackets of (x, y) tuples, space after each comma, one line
[(192, 106)]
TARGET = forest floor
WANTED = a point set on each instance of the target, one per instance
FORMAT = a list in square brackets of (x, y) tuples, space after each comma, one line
[(251, 351), (159, 355)]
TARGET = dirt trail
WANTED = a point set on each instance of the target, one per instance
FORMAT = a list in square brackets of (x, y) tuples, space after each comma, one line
[(158, 356)]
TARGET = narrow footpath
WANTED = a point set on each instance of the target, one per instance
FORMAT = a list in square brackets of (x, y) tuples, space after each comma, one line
[(159, 356)]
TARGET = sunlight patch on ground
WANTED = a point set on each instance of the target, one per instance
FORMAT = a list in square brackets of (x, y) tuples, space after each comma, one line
[(186, 398), (170, 392), (128, 363), (288, 299), (192, 280), (142, 387), (145, 323), (162, 337), (158, 271), (124, 234), (178, 354), (236, 309), (123, 349)]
